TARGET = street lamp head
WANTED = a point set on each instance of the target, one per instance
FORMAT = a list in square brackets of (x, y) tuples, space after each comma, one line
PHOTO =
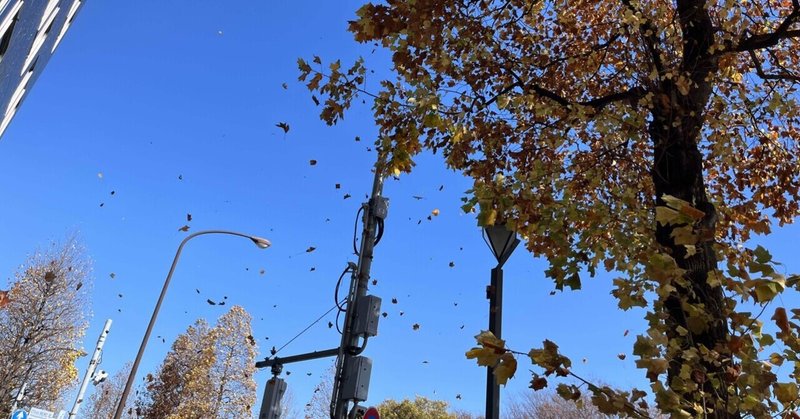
[(501, 241), (261, 243)]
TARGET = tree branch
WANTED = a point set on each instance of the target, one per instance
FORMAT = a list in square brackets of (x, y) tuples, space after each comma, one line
[(764, 76), (767, 40)]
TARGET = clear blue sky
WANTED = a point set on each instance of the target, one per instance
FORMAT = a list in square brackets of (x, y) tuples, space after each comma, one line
[(175, 104)]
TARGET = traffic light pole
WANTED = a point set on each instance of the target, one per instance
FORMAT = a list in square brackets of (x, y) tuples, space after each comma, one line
[(347, 362), (90, 369)]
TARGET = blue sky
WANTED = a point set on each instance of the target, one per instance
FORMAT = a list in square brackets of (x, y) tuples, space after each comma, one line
[(172, 106)]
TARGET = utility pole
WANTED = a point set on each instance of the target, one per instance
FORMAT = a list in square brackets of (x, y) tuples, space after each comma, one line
[(351, 380), (90, 369)]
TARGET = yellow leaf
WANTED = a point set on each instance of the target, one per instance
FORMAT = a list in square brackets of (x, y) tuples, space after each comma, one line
[(505, 368), (785, 392)]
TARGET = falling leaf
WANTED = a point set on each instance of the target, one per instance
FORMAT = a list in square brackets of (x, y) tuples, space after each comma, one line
[(100, 175), (188, 217), (621, 356), (101, 204), (330, 324), (112, 275), (77, 287), (441, 187), (222, 303), (462, 327), (452, 264), (262, 272), (435, 212), (338, 186), (347, 195), (316, 101), (311, 249), (180, 177), (284, 126), (273, 351), (415, 326), (402, 312), (312, 269), (385, 314), (357, 139), (312, 162), (374, 282), (424, 362), (417, 197), (394, 300), (285, 86), (430, 218), (626, 333), (113, 192), (184, 228), (198, 291), (119, 295), (210, 302), (251, 340)]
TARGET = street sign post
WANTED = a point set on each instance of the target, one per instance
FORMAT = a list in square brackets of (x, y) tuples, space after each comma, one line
[(37, 413), (372, 413), (19, 414)]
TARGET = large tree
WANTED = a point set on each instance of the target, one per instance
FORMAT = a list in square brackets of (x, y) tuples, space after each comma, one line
[(103, 402), (42, 326), (648, 137), (207, 373)]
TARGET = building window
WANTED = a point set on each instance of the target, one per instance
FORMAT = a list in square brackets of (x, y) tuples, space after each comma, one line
[(16, 99), (70, 17), (7, 28), (41, 36)]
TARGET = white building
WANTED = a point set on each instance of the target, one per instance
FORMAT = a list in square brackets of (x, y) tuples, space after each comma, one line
[(30, 31)]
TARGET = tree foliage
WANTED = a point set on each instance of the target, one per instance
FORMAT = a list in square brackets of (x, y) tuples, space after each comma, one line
[(419, 408), (650, 138), (207, 373), (42, 325)]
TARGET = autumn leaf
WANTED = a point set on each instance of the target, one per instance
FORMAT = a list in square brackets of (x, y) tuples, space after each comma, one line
[(284, 126), (415, 326), (185, 228), (312, 162), (311, 249), (505, 368)]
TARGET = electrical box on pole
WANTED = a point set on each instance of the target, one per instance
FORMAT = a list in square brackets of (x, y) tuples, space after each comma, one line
[(368, 311), (355, 385), (271, 403)]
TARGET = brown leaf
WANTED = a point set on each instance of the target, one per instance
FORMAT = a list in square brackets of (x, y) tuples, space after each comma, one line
[(311, 249), (312, 162), (415, 326), (185, 228), (284, 126)]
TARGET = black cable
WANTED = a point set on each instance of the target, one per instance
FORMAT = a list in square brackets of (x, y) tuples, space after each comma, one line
[(379, 224), (355, 231), (306, 329), (336, 291)]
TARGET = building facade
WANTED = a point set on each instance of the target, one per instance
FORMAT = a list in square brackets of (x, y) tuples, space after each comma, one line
[(30, 31)]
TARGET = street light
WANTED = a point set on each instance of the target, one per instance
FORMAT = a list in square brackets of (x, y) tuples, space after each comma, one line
[(502, 242), (260, 242)]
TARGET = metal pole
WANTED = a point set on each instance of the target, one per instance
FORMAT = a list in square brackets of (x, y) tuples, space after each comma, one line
[(20, 396), (262, 243), (90, 369), (361, 277), (495, 295)]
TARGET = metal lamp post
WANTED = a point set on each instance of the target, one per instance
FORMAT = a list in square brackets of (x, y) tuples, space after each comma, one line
[(260, 242), (502, 242)]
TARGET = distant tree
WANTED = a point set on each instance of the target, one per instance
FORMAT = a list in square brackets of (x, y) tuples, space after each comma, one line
[(319, 406), (550, 405), (419, 408), (234, 392), (184, 372), (208, 373), (42, 325), (103, 402)]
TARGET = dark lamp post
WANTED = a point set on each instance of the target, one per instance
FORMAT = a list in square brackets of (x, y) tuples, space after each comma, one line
[(260, 242), (502, 242)]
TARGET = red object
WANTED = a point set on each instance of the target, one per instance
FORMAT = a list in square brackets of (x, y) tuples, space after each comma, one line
[(4, 300), (372, 413)]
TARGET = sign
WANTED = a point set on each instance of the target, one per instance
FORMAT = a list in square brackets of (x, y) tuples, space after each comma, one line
[(19, 414), (37, 413), (372, 413)]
